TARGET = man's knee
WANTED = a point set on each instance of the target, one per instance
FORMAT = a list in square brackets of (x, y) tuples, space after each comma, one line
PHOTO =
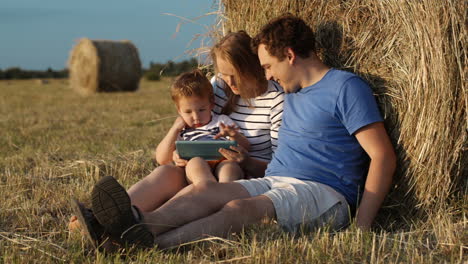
[(236, 208), (253, 209), (166, 171), (169, 168), (204, 187)]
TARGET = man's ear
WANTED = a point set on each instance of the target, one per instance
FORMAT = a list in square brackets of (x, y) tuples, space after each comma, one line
[(290, 55)]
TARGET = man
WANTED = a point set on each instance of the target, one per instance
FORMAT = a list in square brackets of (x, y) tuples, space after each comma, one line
[(331, 127)]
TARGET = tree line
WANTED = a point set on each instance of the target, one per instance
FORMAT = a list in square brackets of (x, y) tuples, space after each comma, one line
[(153, 73), (18, 73)]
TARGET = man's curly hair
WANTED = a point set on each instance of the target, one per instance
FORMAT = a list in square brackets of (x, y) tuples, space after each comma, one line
[(286, 31)]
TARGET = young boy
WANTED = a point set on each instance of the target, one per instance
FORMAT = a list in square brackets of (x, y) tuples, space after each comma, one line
[(193, 96)]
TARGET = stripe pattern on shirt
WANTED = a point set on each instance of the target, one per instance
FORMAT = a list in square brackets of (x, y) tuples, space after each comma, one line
[(260, 122)]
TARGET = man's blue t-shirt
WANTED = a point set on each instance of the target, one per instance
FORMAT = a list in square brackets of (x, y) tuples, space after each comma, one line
[(316, 140)]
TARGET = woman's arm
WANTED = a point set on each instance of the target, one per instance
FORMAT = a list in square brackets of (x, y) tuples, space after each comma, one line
[(165, 149), (254, 168)]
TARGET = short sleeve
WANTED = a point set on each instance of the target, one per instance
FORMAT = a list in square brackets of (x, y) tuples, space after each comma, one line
[(356, 106), (219, 94), (276, 115)]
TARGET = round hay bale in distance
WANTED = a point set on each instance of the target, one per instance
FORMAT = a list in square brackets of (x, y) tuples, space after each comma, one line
[(104, 66)]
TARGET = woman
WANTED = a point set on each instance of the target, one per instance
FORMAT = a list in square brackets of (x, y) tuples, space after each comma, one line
[(243, 93)]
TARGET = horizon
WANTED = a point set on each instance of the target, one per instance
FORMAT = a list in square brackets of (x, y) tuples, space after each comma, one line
[(38, 36)]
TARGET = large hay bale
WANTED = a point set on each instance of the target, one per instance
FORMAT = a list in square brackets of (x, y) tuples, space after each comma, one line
[(413, 53), (104, 66)]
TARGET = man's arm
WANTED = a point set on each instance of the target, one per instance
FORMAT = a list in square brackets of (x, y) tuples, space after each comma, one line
[(375, 141)]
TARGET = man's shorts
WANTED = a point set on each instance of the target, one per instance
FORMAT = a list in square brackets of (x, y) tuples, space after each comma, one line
[(301, 203)]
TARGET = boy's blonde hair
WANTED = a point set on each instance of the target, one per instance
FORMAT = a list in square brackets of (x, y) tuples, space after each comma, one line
[(193, 83)]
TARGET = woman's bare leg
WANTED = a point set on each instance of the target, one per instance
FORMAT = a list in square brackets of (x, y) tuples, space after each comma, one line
[(228, 171), (158, 187)]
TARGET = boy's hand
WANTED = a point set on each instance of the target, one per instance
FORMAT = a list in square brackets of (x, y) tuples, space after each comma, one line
[(227, 131), (179, 123), (237, 154), (177, 160)]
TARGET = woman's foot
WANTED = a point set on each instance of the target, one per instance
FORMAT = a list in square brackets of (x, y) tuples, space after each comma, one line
[(113, 210)]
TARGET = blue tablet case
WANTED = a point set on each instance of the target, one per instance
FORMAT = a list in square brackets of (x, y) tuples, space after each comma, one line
[(207, 150)]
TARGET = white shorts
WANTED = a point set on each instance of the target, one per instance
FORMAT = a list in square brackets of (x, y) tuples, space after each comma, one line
[(301, 203)]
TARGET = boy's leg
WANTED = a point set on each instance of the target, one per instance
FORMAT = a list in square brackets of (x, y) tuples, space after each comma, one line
[(198, 170), (158, 187), (229, 171)]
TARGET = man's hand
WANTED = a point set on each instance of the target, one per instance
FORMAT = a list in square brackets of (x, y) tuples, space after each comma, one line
[(227, 131), (177, 160)]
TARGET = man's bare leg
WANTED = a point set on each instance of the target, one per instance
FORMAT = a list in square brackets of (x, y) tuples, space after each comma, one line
[(231, 218), (197, 202), (158, 187)]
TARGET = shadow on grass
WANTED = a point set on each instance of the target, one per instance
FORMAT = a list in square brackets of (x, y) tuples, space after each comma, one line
[(400, 207)]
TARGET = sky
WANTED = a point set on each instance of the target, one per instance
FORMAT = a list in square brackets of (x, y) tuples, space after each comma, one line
[(38, 34)]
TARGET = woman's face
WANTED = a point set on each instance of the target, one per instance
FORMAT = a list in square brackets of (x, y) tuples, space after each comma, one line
[(228, 74)]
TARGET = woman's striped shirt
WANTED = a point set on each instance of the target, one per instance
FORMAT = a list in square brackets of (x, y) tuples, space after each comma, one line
[(260, 122)]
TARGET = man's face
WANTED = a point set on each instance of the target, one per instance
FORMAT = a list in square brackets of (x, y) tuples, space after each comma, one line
[(276, 70)]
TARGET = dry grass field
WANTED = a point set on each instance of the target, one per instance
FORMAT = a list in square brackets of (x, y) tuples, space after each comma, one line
[(55, 144)]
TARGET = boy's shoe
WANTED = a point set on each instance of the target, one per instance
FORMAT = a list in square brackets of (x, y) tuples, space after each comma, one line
[(92, 230), (113, 210)]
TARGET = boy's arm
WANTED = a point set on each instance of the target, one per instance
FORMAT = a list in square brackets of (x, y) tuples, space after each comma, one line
[(375, 141), (166, 147)]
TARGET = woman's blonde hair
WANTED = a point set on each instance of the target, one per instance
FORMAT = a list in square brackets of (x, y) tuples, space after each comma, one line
[(235, 49)]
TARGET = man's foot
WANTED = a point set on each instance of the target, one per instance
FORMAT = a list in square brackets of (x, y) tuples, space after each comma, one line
[(84, 219), (113, 210)]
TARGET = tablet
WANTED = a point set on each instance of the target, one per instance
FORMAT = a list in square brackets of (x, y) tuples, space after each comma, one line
[(207, 149)]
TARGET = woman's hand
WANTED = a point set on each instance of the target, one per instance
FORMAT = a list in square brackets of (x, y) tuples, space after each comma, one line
[(227, 131), (237, 154), (177, 160)]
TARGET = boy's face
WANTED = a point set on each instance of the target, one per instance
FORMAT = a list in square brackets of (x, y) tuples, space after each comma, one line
[(195, 110), (280, 71)]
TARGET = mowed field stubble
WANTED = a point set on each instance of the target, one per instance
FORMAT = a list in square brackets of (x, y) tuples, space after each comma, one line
[(55, 144)]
